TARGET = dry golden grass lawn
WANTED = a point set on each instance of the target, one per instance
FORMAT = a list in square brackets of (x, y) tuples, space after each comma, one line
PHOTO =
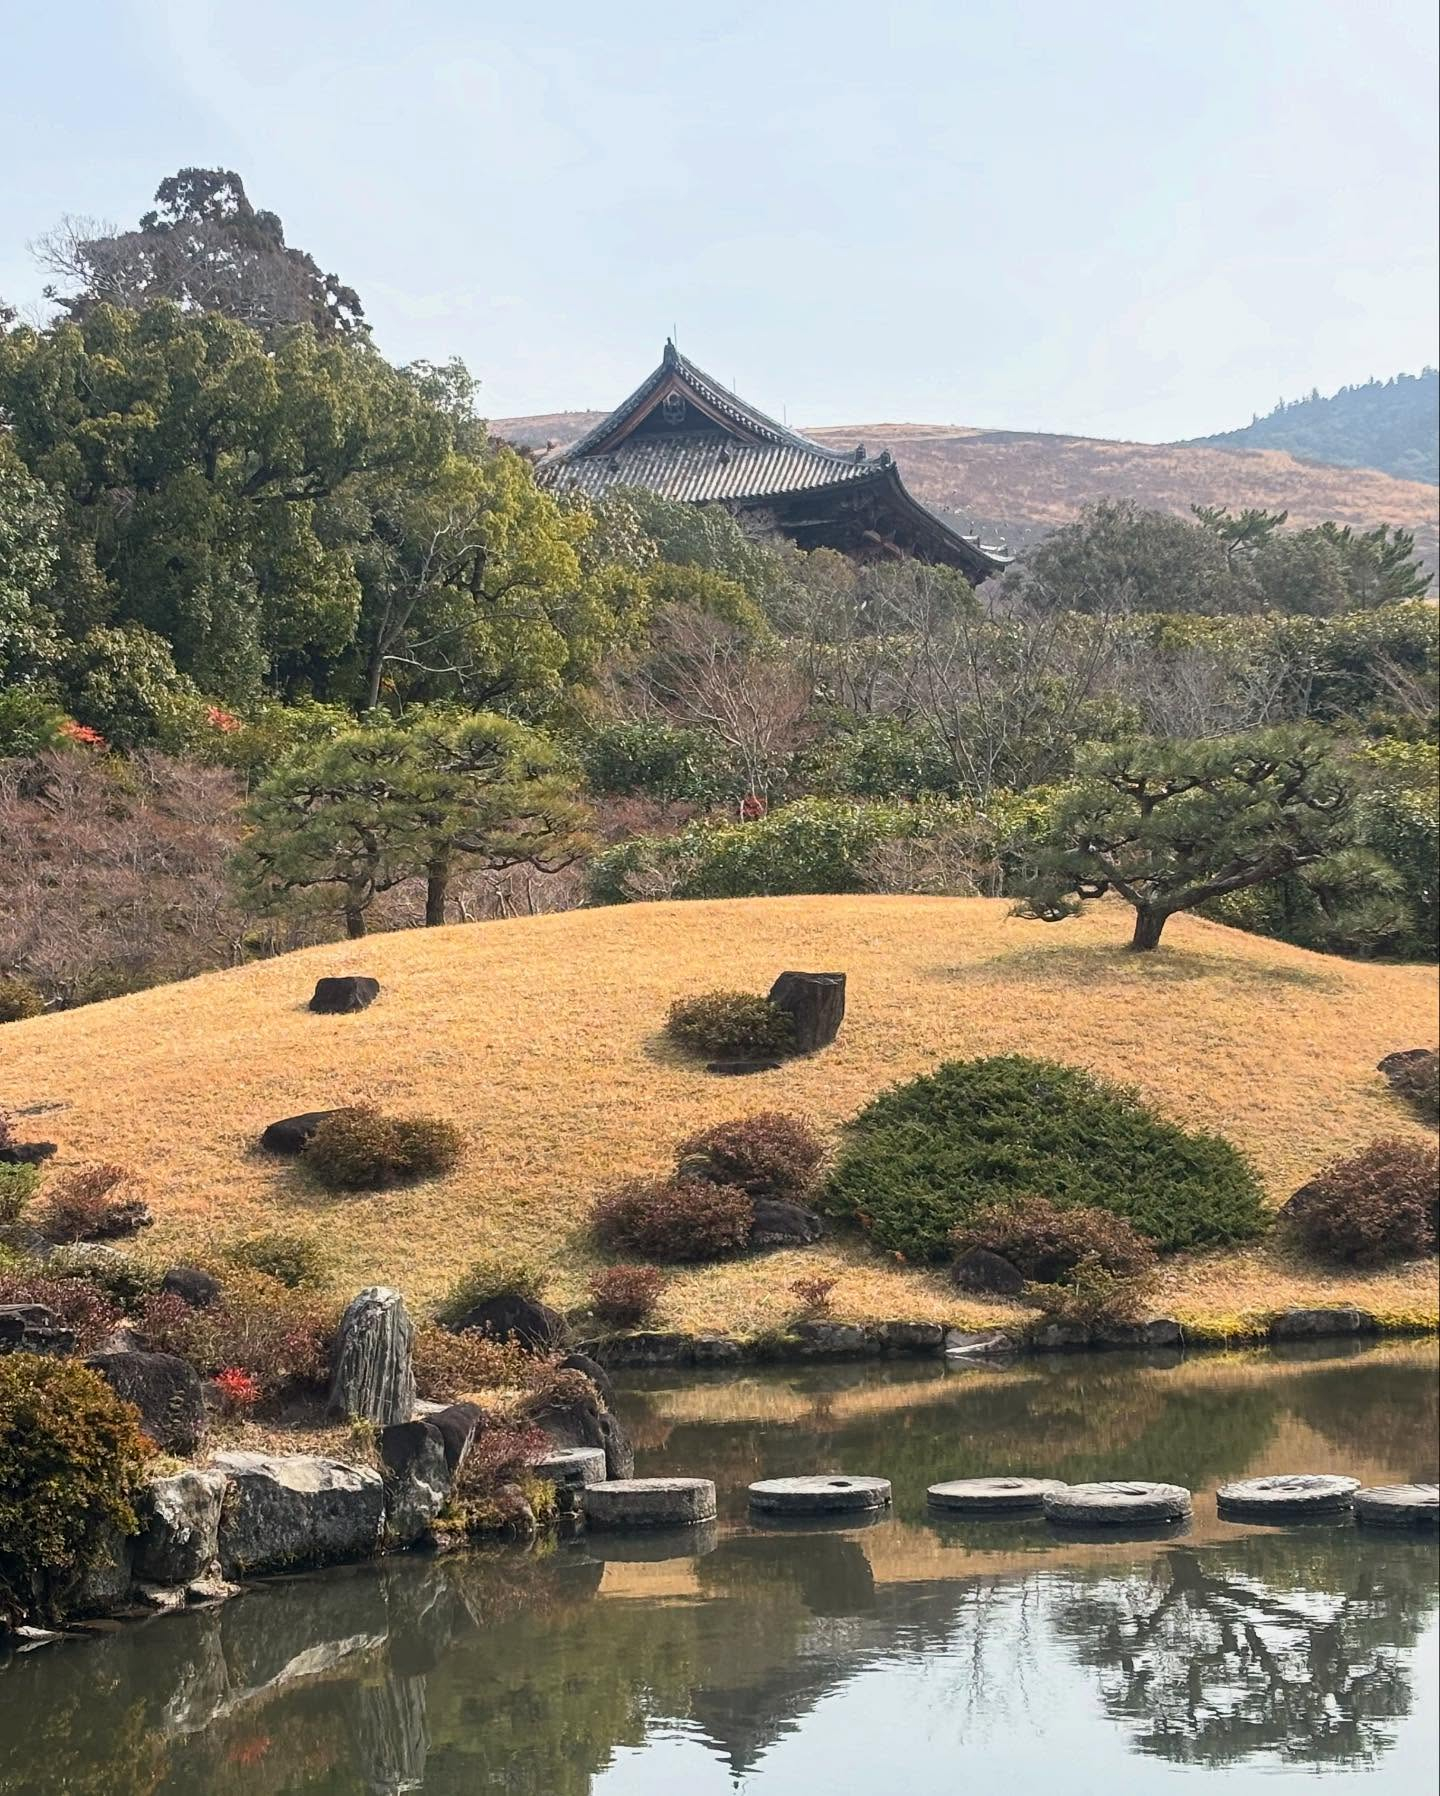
[(542, 1039)]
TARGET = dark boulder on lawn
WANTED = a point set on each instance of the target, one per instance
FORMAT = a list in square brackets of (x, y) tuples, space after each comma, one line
[(291, 1133), (781, 1224), (193, 1285), (534, 1325), (341, 996), (816, 1002), (165, 1389), (980, 1270)]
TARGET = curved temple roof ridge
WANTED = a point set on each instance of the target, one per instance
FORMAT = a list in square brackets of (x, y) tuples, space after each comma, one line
[(682, 435)]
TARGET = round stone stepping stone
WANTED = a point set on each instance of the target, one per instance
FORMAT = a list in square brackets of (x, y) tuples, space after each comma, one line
[(574, 1467), (1399, 1505), (837, 1494), (1286, 1494), (1086, 1505), (650, 1502), (993, 1496)]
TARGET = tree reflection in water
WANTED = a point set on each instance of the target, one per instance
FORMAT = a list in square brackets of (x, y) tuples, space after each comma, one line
[(1293, 1646)]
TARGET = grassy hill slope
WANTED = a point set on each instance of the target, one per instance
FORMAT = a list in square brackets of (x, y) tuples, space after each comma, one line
[(1017, 484), (541, 1038)]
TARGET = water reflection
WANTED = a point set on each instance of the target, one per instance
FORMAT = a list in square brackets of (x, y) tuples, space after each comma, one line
[(947, 1643)]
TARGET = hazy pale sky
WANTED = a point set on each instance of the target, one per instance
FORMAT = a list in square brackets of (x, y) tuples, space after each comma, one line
[(1142, 218)]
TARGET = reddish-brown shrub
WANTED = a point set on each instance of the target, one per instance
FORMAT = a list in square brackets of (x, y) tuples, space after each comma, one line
[(1377, 1205), (501, 1453), (279, 1336), (814, 1294), (674, 1219), (1416, 1079), (768, 1155), (92, 1203), (1047, 1241), (626, 1296), (77, 1303)]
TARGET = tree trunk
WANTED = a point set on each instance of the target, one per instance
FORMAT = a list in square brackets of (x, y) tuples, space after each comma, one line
[(1150, 919), (354, 922), (374, 673), (437, 890), (817, 1003)]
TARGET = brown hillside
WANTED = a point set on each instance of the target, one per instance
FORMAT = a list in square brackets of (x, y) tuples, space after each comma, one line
[(1015, 485)]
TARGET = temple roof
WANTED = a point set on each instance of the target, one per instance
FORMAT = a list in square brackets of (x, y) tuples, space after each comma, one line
[(682, 435)]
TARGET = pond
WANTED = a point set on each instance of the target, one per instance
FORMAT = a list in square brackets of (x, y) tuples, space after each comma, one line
[(912, 1655)]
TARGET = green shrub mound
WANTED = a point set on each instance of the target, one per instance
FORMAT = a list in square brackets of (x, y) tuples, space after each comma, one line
[(1376, 1206), (924, 1158), (731, 1025), (359, 1149), (71, 1456), (507, 1273), (296, 1261)]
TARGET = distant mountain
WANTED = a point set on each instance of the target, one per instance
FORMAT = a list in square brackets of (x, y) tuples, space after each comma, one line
[(1393, 425), (1014, 486)]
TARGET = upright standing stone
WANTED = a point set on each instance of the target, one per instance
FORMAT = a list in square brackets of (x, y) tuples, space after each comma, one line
[(816, 1001), (374, 1377)]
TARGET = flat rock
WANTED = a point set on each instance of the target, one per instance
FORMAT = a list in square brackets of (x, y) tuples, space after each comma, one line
[(296, 1509), (1286, 1494), (179, 1515), (911, 1337), (1160, 1331), (1300, 1325), (33, 1328), (990, 1344), (290, 1134), (836, 1493), (716, 1350), (650, 1502), (1117, 1502), (165, 1389), (647, 1348), (779, 1223), (344, 994), (1060, 1337), (1398, 1505), (833, 1340), (572, 1467), (993, 1496)]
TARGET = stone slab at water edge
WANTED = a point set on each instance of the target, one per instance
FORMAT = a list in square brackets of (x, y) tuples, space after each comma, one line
[(572, 1467), (295, 1509), (836, 1493), (650, 1502), (1286, 1495), (1399, 1505), (993, 1496), (1115, 1503)]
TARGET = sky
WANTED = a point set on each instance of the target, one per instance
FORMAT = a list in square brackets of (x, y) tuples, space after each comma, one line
[(1130, 218)]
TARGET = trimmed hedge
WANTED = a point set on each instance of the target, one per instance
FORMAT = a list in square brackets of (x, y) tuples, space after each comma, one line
[(923, 1158)]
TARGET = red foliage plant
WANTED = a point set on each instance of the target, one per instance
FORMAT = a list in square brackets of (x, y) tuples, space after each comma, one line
[(675, 1219), (626, 1295), (770, 1154), (1380, 1204), (237, 1390), (90, 1203), (814, 1294)]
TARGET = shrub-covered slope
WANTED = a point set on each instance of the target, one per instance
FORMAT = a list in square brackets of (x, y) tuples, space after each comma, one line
[(543, 1040)]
